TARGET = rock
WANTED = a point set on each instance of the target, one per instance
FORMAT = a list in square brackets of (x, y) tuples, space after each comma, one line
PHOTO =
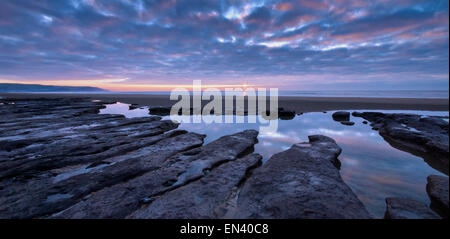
[(282, 114), (357, 114), (285, 114), (349, 123), (175, 172), (56, 152), (403, 208), (133, 106), (301, 182), (160, 110), (61, 159), (426, 137), (341, 116), (437, 189), (189, 111), (365, 122), (435, 121), (81, 181), (210, 197), (61, 148)]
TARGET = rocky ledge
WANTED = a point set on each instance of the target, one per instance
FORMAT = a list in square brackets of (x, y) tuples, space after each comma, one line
[(403, 208), (301, 182), (424, 136), (437, 189), (61, 159)]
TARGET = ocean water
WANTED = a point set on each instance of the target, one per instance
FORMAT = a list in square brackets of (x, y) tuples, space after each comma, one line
[(438, 94), (423, 94), (371, 167)]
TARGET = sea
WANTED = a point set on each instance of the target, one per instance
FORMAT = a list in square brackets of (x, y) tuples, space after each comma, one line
[(424, 94)]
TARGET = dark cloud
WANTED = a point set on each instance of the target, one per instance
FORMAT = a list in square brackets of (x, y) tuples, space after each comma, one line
[(176, 41), (260, 16)]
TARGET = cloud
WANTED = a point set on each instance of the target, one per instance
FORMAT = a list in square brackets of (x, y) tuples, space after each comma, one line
[(176, 41)]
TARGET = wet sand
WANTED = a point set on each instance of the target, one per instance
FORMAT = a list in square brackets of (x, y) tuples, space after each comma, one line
[(299, 104)]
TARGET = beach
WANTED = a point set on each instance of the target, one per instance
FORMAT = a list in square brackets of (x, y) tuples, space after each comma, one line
[(298, 104)]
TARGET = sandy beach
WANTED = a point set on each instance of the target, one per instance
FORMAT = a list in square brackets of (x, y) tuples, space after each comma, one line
[(298, 104)]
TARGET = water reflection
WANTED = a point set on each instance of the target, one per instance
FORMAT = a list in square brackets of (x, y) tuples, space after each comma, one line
[(124, 109), (370, 166)]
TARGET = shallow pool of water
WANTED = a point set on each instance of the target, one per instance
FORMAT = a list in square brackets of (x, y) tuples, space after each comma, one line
[(124, 109), (370, 166)]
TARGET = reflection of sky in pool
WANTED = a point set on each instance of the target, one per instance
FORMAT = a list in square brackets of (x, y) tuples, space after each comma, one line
[(123, 109), (370, 166)]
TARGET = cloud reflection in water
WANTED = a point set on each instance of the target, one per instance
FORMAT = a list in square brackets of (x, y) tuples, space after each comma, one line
[(370, 166)]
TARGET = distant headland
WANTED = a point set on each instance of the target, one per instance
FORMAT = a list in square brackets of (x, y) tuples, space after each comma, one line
[(13, 87)]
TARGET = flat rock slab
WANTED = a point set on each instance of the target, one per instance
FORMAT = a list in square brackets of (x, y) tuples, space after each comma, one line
[(56, 152), (301, 182), (437, 189), (176, 172), (210, 197), (403, 208)]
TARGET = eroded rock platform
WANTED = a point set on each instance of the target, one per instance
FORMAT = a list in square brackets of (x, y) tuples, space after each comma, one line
[(59, 158)]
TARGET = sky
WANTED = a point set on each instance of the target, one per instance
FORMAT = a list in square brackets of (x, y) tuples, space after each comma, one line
[(142, 45)]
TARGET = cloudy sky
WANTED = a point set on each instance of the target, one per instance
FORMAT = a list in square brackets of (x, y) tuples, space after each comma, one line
[(293, 45)]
